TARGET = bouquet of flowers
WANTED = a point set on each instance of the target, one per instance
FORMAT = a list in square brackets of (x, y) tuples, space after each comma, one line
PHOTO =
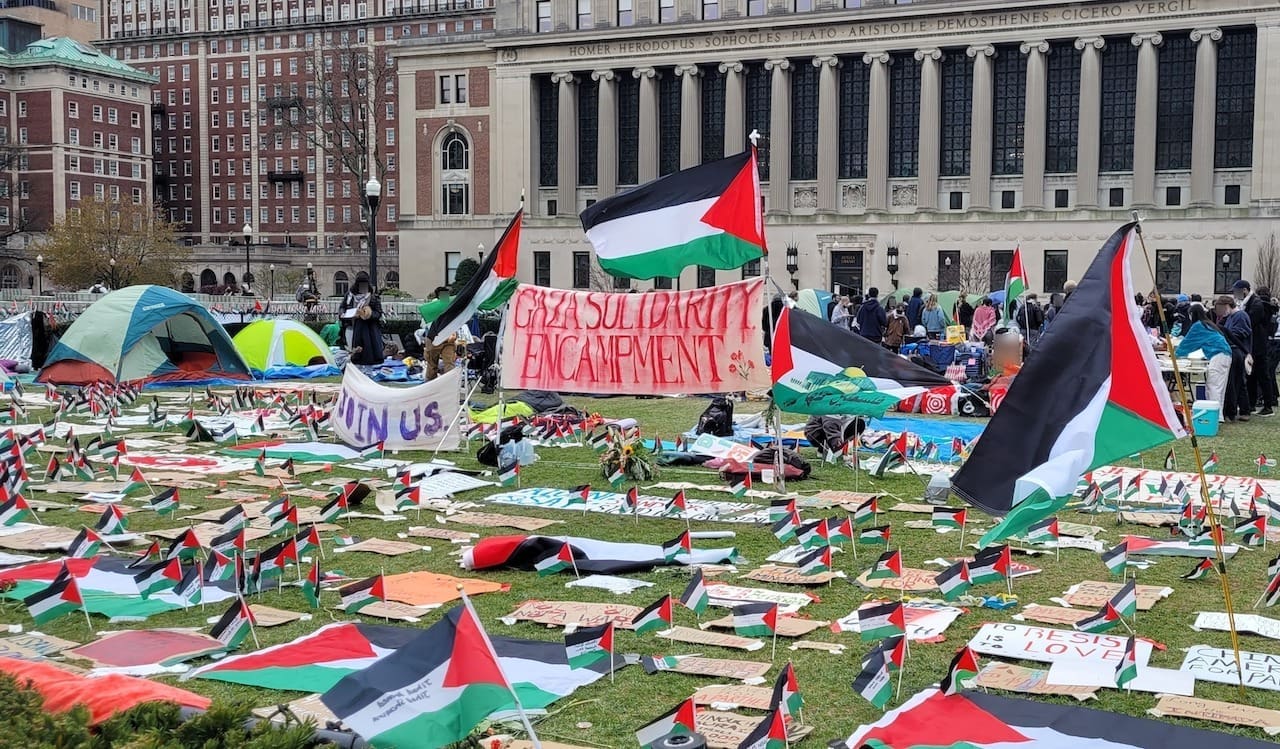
[(627, 455)]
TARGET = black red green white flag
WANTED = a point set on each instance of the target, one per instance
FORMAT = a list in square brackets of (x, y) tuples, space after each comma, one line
[(1092, 394)]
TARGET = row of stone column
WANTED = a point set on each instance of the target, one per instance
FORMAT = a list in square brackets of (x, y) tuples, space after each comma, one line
[(1088, 148)]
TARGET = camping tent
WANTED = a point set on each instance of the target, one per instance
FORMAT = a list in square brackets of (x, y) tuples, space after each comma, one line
[(270, 344), (147, 334)]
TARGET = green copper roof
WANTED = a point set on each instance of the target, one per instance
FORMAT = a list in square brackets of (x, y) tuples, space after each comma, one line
[(61, 50)]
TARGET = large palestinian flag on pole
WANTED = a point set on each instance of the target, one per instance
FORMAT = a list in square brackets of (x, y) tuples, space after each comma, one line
[(820, 368), (706, 215), (493, 283), (1015, 283), (432, 692), (1090, 394), (977, 720)]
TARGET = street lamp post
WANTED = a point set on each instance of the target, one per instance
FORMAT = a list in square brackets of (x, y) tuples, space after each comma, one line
[(39, 275), (272, 268), (311, 279), (112, 263), (248, 240), (793, 264), (373, 194)]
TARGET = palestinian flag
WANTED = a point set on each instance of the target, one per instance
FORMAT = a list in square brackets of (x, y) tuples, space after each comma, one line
[(631, 500), (433, 692), (786, 692), (1109, 402), (558, 562), (839, 531), (84, 545), (979, 720), (311, 586), (780, 508), (185, 547), (888, 460), (1252, 529), (13, 510), (1015, 284), (60, 597), (963, 668), (677, 505), (1211, 464), (742, 485), (755, 619), (159, 577), (991, 565), (877, 536), (190, 589), (770, 734), (580, 495), (695, 597), (53, 470), (880, 620), (357, 595), (153, 550), (948, 517), (1205, 566), (260, 464), (953, 581), (617, 477), (892, 650), (587, 645), (166, 502), (221, 567), (233, 519), (657, 616), (813, 535), (334, 509), (407, 499), (889, 565), (708, 215), (592, 556), (1043, 531), (680, 544), (234, 625), (820, 368), (683, 719), (1127, 668), (493, 283), (509, 474), (1116, 558), (873, 683), (231, 543), (276, 508), (307, 539), (785, 529), (866, 512), (1123, 603), (817, 562)]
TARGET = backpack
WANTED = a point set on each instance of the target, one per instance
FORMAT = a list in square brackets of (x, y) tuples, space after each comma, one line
[(717, 419)]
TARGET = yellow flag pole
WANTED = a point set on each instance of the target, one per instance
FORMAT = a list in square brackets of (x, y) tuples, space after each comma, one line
[(1215, 527)]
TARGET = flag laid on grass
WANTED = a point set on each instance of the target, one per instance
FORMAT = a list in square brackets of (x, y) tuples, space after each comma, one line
[(1109, 401), (707, 215), (447, 679), (755, 619), (588, 645), (695, 597), (491, 285), (873, 683), (656, 617), (60, 597), (820, 368)]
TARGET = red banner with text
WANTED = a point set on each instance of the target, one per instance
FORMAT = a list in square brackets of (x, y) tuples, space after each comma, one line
[(651, 343)]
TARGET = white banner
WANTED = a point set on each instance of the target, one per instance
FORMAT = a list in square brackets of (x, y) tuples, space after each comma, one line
[(403, 418), (1046, 645)]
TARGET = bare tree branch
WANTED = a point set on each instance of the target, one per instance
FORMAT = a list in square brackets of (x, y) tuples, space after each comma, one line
[(975, 273), (1266, 271)]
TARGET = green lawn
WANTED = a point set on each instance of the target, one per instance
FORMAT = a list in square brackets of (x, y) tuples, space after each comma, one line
[(614, 711)]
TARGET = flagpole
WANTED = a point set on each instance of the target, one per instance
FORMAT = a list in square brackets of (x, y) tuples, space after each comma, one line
[(454, 421), (1195, 449), (497, 662), (252, 631)]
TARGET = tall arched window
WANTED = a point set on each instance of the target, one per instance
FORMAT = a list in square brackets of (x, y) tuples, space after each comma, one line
[(9, 277), (340, 284), (228, 279), (455, 175), (392, 280), (208, 277)]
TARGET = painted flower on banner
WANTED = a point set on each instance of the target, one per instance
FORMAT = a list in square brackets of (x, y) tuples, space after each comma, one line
[(740, 365)]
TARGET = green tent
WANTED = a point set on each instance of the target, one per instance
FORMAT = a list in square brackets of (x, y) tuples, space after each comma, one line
[(144, 334), (269, 344)]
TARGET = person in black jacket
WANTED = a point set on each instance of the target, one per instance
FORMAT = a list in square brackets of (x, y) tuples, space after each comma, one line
[(1260, 311), (871, 317)]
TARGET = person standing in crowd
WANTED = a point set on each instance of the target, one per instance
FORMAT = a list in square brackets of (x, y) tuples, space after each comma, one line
[(361, 310), (871, 317), (935, 323), (963, 312), (1052, 309), (438, 359), (915, 307), (895, 329), (985, 318), (1181, 321), (1235, 326), (840, 316), (1031, 319), (1260, 310), (1204, 336)]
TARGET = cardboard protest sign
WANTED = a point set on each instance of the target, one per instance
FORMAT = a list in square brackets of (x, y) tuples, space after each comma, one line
[(573, 613), (1093, 594), (913, 580), (1052, 614), (659, 343), (424, 588), (771, 573), (494, 520), (737, 695), (1261, 670), (788, 626), (835, 648), (926, 622), (720, 668), (1045, 645), (400, 418), (27, 537), (300, 709), (32, 646), (1245, 624), (728, 596), (442, 534), (393, 610), (729, 730), (381, 546), (1011, 678), (269, 616), (1230, 713), (717, 639)]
